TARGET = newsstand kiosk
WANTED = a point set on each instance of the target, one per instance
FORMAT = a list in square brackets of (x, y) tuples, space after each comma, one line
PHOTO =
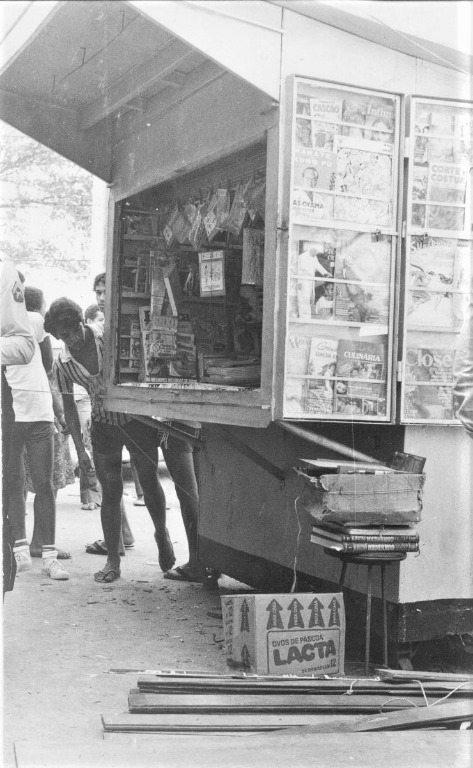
[(288, 261)]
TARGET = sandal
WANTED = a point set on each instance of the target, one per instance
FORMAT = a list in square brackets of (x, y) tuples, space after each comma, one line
[(96, 548), (106, 577), (181, 574)]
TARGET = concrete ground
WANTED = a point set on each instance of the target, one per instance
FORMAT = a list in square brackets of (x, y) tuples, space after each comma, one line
[(73, 649)]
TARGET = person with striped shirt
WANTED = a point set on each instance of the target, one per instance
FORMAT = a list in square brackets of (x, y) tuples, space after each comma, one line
[(81, 363)]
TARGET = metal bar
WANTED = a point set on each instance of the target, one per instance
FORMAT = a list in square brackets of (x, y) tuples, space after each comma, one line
[(324, 442), (385, 616), (368, 621)]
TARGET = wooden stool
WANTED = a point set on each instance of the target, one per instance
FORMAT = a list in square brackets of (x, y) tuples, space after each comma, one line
[(370, 559)]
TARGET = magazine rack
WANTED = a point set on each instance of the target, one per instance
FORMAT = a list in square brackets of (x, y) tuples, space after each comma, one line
[(376, 559)]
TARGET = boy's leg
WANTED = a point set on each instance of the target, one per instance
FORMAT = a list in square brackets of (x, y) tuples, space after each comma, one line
[(142, 444)]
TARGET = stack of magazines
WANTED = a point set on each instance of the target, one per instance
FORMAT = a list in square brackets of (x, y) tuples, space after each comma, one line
[(349, 539)]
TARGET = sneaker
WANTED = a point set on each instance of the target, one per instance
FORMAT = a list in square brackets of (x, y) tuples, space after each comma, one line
[(23, 560), (54, 570)]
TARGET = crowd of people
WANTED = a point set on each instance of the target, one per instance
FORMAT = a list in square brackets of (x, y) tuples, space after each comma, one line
[(50, 401)]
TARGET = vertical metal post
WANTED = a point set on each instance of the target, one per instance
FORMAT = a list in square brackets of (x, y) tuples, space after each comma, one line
[(368, 621), (385, 617)]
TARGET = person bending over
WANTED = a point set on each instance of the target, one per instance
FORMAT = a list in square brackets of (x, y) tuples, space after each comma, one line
[(81, 363)]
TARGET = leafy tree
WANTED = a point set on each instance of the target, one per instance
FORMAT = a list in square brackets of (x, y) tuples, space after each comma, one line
[(45, 206)]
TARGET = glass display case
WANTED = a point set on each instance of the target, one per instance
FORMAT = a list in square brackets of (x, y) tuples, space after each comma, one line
[(438, 254), (343, 236)]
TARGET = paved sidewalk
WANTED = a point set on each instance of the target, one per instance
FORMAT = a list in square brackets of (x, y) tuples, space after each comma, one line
[(68, 645)]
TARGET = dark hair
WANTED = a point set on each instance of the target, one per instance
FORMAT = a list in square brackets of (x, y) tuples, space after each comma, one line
[(62, 312), (34, 298), (98, 279), (91, 312)]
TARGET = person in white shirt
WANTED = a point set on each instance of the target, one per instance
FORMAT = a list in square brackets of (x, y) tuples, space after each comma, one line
[(34, 428), (17, 348)]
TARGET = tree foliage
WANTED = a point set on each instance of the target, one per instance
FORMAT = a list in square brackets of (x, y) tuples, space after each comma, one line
[(45, 206)]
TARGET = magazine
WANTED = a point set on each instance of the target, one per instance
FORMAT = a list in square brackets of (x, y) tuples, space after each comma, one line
[(314, 169), (431, 263), (327, 106), (362, 211), (428, 364), (323, 135), (362, 169), (212, 273), (311, 206), (322, 358), (356, 304), (428, 402), (420, 180), (360, 360), (302, 104), (462, 280), (427, 309), (159, 345), (315, 259), (361, 371), (297, 355), (443, 217), (321, 369), (379, 119), (303, 132), (354, 112), (447, 182), (362, 259), (294, 396), (252, 257)]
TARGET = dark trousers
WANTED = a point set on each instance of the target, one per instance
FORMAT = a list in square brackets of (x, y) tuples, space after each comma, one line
[(8, 419)]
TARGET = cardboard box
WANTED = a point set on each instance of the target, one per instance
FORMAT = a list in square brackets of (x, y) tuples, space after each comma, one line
[(286, 634), (364, 499)]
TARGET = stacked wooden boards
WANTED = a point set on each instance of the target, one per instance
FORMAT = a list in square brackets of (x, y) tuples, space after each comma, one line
[(168, 703)]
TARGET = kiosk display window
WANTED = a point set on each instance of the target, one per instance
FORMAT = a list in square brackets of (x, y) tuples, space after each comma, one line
[(439, 255), (342, 241), (190, 278)]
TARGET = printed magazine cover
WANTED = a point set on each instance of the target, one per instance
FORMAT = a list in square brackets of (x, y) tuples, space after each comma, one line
[(431, 275), (447, 182), (379, 119), (326, 106), (429, 364), (425, 402), (311, 206), (314, 169), (315, 259), (360, 369), (297, 355), (362, 211), (159, 345), (321, 366), (363, 169), (368, 264)]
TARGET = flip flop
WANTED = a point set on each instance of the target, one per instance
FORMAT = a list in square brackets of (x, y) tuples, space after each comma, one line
[(106, 577), (179, 574), (97, 548)]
